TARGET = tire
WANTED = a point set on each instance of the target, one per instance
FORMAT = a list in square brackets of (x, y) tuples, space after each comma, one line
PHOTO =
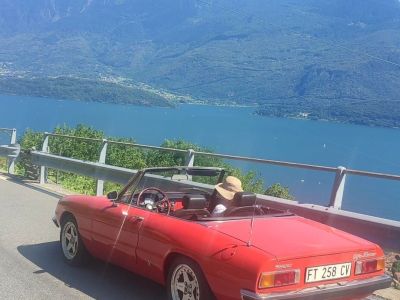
[(72, 247), (186, 281)]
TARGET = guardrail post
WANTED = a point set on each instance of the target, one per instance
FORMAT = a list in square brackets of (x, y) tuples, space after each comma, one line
[(43, 169), (190, 158), (102, 160), (338, 188), (11, 161)]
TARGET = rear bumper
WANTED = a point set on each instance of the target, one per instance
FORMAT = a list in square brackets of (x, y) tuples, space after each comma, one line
[(333, 291)]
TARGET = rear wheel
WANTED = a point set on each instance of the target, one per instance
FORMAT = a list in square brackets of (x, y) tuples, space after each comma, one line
[(186, 281), (73, 249)]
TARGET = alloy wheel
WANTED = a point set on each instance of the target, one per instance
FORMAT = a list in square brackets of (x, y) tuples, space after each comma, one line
[(184, 284), (69, 240)]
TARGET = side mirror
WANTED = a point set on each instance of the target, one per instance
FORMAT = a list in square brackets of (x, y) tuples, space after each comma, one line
[(112, 195)]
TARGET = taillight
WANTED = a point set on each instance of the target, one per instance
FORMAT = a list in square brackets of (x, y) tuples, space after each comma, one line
[(279, 278), (369, 266)]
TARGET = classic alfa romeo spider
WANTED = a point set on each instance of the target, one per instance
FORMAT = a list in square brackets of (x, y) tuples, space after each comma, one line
[(159, 226)]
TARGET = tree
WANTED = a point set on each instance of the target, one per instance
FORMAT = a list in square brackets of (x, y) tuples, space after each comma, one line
[(279, 191)]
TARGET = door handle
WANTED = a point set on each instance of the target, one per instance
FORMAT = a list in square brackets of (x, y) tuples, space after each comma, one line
[(136, 219)]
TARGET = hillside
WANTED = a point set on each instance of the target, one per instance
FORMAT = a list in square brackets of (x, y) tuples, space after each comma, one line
[(81, 89), (232, 51)]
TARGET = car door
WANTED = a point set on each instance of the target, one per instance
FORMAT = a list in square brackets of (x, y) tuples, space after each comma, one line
[(116, 230), (116, 227)]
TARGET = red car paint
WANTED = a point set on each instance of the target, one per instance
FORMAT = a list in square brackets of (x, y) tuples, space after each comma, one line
[(232, 253)]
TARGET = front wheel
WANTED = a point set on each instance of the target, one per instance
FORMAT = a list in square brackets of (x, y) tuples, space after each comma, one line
[(71, 243), (186, 281)]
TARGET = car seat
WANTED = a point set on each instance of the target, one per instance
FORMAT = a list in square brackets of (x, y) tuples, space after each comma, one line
[(194, 207)]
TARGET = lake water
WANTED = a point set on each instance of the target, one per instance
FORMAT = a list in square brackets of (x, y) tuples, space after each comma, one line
[(237, 131)]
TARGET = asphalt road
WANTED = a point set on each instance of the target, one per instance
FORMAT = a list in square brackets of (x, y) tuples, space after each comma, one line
[(31, 263)]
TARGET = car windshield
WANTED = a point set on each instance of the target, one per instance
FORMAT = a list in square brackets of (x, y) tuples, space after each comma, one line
[(190, 195), (181, 179)]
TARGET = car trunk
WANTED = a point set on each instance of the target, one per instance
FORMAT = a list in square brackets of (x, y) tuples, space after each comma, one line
[(291, 237)]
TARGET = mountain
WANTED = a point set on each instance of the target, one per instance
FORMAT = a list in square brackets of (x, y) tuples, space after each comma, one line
[(226, 51)]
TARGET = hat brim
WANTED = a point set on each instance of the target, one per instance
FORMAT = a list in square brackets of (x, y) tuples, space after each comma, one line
[(228, 195)]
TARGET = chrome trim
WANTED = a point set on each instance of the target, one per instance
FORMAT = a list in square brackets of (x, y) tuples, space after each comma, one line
[(327, 291)]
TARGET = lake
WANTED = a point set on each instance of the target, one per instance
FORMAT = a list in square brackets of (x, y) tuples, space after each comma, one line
[(237, 131)]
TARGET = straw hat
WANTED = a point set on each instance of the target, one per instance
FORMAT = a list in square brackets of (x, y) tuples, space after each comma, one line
[(229, 187)]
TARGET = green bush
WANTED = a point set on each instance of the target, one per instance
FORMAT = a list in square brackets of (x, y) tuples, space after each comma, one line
[(79, 184), (279, 191), (3, 164), (128, 157), (396, 266)]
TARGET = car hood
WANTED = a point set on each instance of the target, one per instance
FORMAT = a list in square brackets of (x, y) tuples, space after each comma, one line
[(291, 237)]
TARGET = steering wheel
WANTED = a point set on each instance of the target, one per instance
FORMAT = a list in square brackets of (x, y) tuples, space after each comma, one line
[(162, 206)]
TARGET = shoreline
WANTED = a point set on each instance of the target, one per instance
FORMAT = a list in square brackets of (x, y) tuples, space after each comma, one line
[(203, 103), (370, 125)]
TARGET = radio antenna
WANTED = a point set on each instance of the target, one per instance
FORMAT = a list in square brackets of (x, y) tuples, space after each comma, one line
[(251, 224)]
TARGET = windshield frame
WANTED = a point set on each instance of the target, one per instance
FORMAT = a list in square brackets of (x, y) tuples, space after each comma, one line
[(135, 181)]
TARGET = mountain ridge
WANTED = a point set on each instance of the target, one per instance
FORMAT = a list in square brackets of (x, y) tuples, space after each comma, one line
[(240, 51)]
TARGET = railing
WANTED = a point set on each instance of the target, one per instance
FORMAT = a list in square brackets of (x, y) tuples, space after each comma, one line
[(10, 151), (336, 197), (382, 231), (103, 154), (340, 172)]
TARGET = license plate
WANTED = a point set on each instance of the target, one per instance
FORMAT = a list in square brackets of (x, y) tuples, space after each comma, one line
[(328, 272)]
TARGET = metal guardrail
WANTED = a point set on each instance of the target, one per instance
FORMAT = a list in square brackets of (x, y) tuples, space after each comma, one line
[(58, 162), (340, 172), (10, 151), (7, 129), (382, 231), (100, 171), (103, 153)]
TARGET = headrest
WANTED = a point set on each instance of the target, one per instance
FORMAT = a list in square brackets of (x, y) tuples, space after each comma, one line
[(194, 202), (244, 199)]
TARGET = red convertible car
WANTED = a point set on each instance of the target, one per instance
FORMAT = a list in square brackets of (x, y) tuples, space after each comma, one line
[(159, 226)]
